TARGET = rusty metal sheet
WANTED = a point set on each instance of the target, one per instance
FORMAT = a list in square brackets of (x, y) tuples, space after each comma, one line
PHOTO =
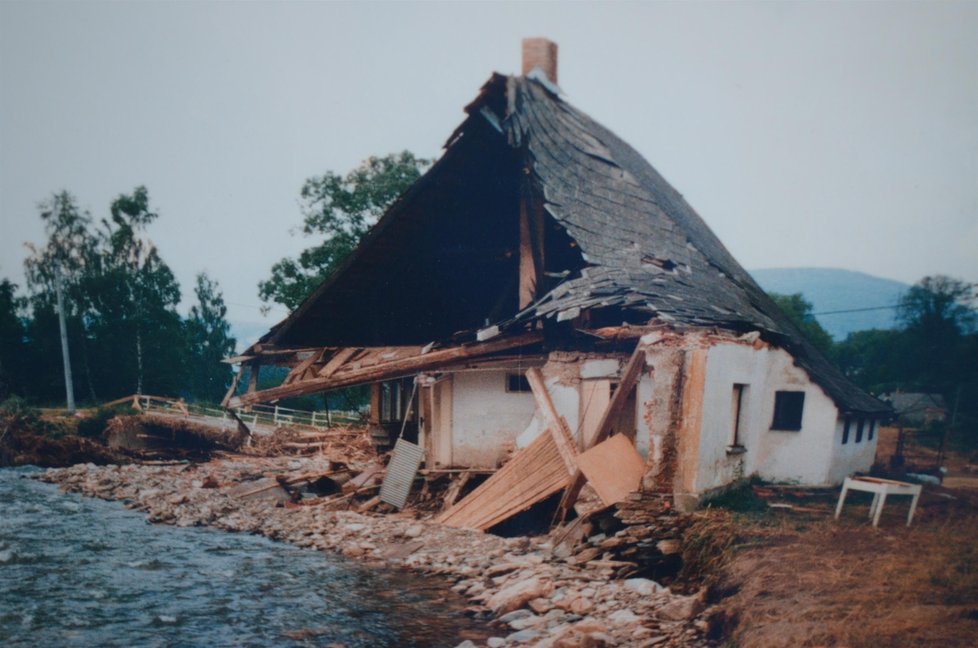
[(405, 460)]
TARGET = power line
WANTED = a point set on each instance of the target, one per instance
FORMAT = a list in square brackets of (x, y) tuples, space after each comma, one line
[(858, 310)]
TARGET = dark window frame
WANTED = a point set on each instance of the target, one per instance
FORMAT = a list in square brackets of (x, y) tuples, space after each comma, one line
[(789, 409), (517, 383), (739, 389)]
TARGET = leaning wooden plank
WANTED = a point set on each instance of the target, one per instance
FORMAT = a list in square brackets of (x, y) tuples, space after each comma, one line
[(532, 475), (233, 388), (614, 468), (555, 422), (628, 379), (385, 370)]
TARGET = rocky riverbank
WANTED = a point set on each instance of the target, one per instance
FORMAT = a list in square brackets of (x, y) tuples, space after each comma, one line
[(539, 598)]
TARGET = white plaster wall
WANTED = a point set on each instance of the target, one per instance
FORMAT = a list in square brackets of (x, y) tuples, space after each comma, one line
[(852, 457), (566, 399), (485, 417), (806, 456)]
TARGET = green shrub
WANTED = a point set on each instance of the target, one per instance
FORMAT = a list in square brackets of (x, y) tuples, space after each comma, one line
[(738, 496)]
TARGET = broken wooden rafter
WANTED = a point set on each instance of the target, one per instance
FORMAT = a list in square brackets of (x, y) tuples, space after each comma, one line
[(387, 370), (338, 360), (556, 425)]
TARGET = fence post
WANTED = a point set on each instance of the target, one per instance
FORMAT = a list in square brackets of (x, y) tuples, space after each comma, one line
[(275, 416)]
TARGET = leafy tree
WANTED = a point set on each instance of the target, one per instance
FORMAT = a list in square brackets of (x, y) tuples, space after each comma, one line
[(937, 312), (873, 359), (120, 297), (940, 305), (209, 339), (12, 340), (68, 252), (340, 209), (799, 311), (133, 296), (70, 248)]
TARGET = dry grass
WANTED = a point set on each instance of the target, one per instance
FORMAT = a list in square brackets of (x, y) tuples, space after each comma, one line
[(806, 580)]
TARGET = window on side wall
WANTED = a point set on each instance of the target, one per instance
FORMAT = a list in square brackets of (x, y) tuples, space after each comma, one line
[(869, 433), (788, 407), (517, 383), (738, 406), (845, 430), (859, 430)]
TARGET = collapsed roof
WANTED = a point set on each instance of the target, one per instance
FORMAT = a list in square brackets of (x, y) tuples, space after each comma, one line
[(615, 242)]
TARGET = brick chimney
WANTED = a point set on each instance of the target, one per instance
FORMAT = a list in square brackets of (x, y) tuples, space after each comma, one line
[(541, 53)]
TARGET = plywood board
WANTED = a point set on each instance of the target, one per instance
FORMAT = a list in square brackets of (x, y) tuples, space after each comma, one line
[(613, 467)]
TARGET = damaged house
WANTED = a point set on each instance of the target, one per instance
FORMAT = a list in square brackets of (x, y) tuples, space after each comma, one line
[(542, 299)]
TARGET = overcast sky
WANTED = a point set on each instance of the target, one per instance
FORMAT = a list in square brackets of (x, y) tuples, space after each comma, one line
[(806, 134)]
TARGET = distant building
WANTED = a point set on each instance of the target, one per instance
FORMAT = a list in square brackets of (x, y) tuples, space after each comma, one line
[(917, 409)]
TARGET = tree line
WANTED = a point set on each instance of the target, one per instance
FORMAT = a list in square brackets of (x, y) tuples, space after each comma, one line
[(126, 335), (120, 301), (933, 350)]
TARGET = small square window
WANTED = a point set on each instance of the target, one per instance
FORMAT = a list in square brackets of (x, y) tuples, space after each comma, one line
[(788, 406), (517, 383)]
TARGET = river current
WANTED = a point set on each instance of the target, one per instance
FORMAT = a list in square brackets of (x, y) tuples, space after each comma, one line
[(76, 571)]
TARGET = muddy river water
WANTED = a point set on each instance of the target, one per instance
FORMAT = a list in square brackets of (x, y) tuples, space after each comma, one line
[(84, 572)]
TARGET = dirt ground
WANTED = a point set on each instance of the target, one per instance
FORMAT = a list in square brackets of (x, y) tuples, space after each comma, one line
[(799, 578)]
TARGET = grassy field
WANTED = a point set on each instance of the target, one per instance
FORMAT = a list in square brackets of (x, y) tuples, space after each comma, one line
[(796, 577)]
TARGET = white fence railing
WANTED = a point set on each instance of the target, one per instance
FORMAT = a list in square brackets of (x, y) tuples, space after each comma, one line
[(266, 415)]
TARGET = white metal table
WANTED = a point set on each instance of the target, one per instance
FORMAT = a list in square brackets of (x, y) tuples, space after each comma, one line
[(880, 488)]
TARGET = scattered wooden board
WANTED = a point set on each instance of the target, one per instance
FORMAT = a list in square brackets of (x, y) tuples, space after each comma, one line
[(614, 468), (533, 474)]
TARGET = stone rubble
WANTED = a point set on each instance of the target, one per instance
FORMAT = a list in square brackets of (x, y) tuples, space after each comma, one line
[(536, 598)]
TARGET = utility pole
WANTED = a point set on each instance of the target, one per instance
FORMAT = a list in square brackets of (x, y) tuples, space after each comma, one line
[(69, 386)]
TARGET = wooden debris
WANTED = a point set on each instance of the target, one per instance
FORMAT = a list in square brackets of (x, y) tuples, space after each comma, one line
[(556, 425), (451, 495), (369, 504), (614, 468), (398, 367), (629, 377), (533, 474)]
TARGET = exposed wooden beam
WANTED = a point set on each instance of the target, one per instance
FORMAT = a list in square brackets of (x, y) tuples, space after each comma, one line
[(528, 265), (253, 370), (388, 370), (556, 425), (233, 388), (338, 360)]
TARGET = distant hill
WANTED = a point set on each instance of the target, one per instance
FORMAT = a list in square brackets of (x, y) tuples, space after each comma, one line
[(832, 289)]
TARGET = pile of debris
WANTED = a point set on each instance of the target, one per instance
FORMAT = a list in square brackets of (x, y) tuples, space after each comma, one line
[(158, 436), (639, 537), (350, 444)]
